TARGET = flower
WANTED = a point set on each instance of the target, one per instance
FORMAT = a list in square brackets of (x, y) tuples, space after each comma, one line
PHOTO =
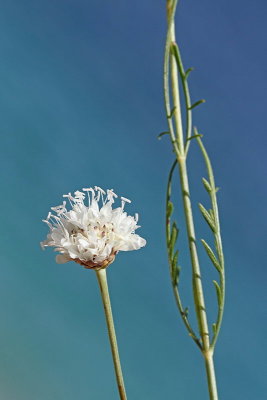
[(91, 235)]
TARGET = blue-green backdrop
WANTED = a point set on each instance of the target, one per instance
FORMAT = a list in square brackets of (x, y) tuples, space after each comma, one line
[(82, 105)]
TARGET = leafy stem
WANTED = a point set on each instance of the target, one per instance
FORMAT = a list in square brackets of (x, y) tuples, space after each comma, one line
[(173, 71), (218, 261), (173, 259)]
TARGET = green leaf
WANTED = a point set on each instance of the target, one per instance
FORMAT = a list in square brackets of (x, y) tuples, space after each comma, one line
[(162, 134), (194, 137), (171, 114), (175, 270), (214, 328), (208, 218), (170, 208), (218, 292), (175, 257), (175, 274), (206, 185), (197, 103), (211, 255), (187, 72), (174, 235)]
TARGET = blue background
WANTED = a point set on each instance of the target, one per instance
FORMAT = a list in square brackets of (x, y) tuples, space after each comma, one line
[(82, 105)]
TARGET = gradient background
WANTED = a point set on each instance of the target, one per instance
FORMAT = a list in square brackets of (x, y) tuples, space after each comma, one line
[(81, 105)]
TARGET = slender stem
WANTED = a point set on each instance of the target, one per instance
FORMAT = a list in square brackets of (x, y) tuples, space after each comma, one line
[(197, 284), (211, 378), (176, 96), (196, 280), (176, 281), (181, 159), (103, 285), (170, 15)]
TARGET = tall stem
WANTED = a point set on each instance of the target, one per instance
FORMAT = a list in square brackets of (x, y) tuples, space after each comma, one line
[(211, 378), (103, 285), (181, 159)]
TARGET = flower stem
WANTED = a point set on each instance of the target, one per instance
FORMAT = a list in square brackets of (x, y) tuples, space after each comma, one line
[(103, 285)]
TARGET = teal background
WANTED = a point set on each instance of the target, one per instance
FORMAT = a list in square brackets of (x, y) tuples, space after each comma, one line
[(82, 105)]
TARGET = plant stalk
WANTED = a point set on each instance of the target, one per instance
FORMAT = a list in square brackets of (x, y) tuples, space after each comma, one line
[(103, 285), (211, 378), (181, 159)]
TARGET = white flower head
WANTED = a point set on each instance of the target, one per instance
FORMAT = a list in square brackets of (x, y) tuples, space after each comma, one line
[(92, 234)]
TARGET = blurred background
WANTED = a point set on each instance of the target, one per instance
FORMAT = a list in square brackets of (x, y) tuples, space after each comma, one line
[(82, 105)]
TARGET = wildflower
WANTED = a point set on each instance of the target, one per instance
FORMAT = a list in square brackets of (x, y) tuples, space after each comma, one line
[(91, 235)]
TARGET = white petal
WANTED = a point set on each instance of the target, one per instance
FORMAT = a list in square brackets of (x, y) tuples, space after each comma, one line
[(135, 242)]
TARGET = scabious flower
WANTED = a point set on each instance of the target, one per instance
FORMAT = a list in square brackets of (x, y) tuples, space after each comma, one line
[(92, 234)]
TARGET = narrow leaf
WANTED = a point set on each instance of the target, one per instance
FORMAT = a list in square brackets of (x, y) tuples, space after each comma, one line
[(175, 257), (171, 114), (162, 134), (170, 208), (174, 235), (206, 185), (218, 292), (197, 103), (207, 217), (214, 328), (175, 274), (211, 255), (187, 72), (194, 136), (175, 270)]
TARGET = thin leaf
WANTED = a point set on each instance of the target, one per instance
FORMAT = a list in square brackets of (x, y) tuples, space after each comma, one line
[(175, 257), (170, 208), (214, 328), (206, 185), (197, 103), (171, 114), (174, 235), (187, 72), (208, 218), (218, 292), (162, 134), (175, 274), (175, 270), (194, 136), (211, 255)]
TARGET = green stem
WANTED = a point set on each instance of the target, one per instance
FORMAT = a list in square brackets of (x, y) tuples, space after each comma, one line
[(181, 159), (103, 285), (196, 279), (176, 293), (211, 378)]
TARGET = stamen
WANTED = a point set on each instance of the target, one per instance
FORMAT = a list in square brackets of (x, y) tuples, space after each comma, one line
[(100, 189), (70, 198), (125, 200), (111, 195), (88, 191), (48, 223), (79, 195)]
